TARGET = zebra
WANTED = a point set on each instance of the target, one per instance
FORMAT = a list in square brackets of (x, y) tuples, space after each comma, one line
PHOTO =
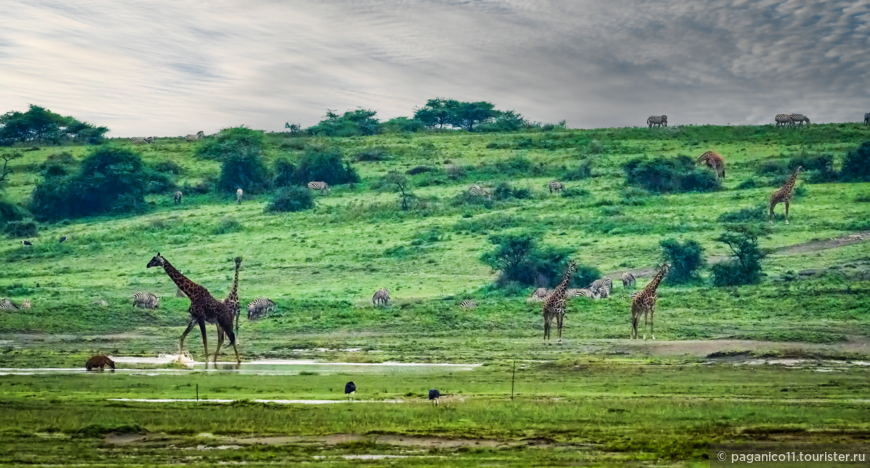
[(239, 194), (145, 300), (101, 303), (628, 280), (26, 304), (657, 120), (783, 120), (381, 297), (176, 197), (478, 191), (538, 295), (6, 304), (799, 119), (602, 287), (199, 135), (322, 186), (468, 304), (556, 186), (867, 119), (138, 141), (575, 292), (149, 140), (258, 308)]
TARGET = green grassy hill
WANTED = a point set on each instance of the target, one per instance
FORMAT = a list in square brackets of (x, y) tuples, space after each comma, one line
[(323, 266)]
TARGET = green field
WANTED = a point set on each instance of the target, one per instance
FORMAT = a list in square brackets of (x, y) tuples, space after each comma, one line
[(600, 399)]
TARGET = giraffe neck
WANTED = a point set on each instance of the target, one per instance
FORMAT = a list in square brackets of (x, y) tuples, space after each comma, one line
[(185, 285), (563, 285), (654, 284), (789, 185), (234, 296)]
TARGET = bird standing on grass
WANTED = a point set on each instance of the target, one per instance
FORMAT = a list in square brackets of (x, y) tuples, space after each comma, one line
[(26, 243), (349, 389), (434, 395)]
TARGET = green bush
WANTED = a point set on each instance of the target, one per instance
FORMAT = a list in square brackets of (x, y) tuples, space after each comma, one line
[(39, 124), (583, 171), (666, 175), (289, 199), (745, 215), (856, 164), (11, 212), (574, 192), (228, 225), (245, 170), (232, 141), (520, 258), (402, 125), (686, 259), (745, 267), (284, 171), (504, 191), (109, 180), (168, 167), (324, 165), (351, 123), (748, 184), (19, 229)]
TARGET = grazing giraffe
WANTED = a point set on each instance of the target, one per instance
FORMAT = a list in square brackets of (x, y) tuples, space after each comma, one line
[(239, 194), (176, 197), (657, 120), (783, 195), (643, 303), (554, 305), (203, 307), (232, 301), (556, 186), (714, 161)]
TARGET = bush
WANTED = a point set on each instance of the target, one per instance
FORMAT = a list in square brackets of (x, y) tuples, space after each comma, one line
[(402, 125), (856, 164), (20, 229), (39, 124), (686, 259), (820, 167), (521, 259), (232, 141), (372, 154), (574, 192), (168, 167), (504, 191), (159, 182), (583, 171), (420, 170), (745, 267), (11, 212), (745, 215), (228, 225), (351, 123), (245, 170), (110, 180), (284, 171), (748, 184), (670, 175), (290, 199), (325, 165)]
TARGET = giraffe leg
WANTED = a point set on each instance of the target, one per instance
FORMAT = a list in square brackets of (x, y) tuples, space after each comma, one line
[(559, 319), (645, 323), (220, 343), (183, 336), (204, 340), (786, 211), (652, 328)]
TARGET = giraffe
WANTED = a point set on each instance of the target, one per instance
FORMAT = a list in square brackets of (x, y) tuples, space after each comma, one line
[(643, 303), (714, 161), (554, 305), (203, 307), (232, 301), (783, 195)]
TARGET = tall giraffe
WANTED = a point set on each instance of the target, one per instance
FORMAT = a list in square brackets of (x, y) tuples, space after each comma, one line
[(714, 161), (783, 195), (232, 301), (203, 307), (643, 303), (554, 305)]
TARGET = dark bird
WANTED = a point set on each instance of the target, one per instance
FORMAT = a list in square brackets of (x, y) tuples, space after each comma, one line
[(349, 388), (26, 242), (63, 238), (434, 395)]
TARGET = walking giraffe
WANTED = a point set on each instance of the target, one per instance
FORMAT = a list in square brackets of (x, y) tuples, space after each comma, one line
[(239, 194), (714, 161), (643, 303), (783, 195), (203, 307), (554, 305), (232, 301)]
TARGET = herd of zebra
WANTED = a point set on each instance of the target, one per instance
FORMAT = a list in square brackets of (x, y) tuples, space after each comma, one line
[(257, 309), (782, 120)]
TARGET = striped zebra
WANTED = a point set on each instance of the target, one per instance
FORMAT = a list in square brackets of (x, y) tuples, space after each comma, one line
[(468, 304), (239, 194), (602, 287), (556, 186), (576, 292), (176, 197), (6, 304), (199, 135), (867, 119), (799, 119), (628, 280), (381, 297), (149, 140), (479, 191), (145, 300), (538, 295), (783, 120), (26, 304), (322, 186), (258, 308), (657, 121), (138, 141), (101, 303)]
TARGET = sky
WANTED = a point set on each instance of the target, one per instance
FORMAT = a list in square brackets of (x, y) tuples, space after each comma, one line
[(174, 67)]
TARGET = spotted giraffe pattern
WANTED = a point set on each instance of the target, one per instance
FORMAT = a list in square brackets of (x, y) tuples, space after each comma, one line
[(643, 303), (783, 195), (232, 301), (554, 305), (714, 161)]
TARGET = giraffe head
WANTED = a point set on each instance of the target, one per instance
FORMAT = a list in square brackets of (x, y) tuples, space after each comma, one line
[(798, 169), (157, 261), (238, 261), (665, 267)]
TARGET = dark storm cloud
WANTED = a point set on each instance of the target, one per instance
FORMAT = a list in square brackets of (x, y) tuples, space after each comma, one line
[(169, 67)]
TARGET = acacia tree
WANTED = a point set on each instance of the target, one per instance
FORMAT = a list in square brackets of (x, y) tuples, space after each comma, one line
[(470, 114), (7, 157), (745, 268), (438, 112), (402, 185)]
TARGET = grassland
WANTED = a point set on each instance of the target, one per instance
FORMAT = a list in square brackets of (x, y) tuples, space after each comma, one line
[(599, 399)]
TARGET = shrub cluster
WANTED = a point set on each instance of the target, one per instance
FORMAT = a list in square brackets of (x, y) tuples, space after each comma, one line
[(745, 267), (520, 258), (19, 229), (39, 124), (290, 199), (232, 141), (666, 175), (856, 164), (324, 165), (686, 259)]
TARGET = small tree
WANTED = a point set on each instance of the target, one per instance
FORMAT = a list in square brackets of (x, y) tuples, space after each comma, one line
[(324, 165), (7, 158), (856, 165), (437, 111), (520, 258), (284, 171), (351, 123), (745, 268), (243, 169), (401, 184), (233, 141), (289, 199), (470, 114), (686, 259)]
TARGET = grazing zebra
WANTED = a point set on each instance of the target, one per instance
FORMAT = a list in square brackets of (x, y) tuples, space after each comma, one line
[(714, 161), (468, 304), (867, 118), (6, 304), (322, 186), (602, 287), (556, 186), (628, 280), (101, 303), (239, 194), (200, 134), (145, 300), (479, 191), (783, 120), (149, 140), (26, 304), (799, 119), (138, 141), (381, 297), (575, 292), (538, 295), (657, 120), (176, 197), (258, 308)]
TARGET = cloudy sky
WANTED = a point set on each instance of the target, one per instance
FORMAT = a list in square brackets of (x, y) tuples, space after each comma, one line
[(173, 67)]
